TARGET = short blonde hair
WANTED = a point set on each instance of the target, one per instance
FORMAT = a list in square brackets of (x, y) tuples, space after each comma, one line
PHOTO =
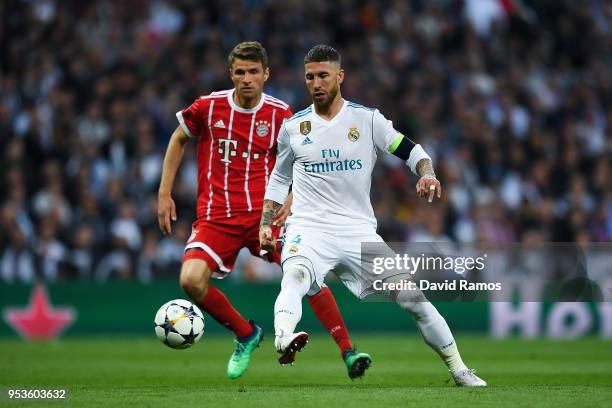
[(250, 51)]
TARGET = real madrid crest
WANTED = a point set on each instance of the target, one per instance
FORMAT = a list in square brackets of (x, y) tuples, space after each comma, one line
[(305, 127), (262, 128), (353, 134), (293, 249)]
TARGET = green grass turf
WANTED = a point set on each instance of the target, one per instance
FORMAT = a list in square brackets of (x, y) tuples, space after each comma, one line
[(105, 372)]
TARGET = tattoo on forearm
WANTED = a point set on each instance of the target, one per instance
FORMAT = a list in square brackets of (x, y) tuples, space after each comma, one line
[(270, 208), (425, 168)]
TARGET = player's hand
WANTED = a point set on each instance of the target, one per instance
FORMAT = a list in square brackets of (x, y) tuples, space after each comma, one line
[(429, 186), (284, 212), (166, 212), (265, 238)]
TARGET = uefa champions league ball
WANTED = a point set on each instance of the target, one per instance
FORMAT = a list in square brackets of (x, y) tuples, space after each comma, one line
[(179, 324)]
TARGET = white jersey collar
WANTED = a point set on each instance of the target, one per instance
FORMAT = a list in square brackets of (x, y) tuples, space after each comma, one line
[(230, 99), (335, 118)]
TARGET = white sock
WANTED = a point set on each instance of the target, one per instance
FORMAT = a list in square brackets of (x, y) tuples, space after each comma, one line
[(437, 335), (452, 358), (288, 306), (434, 329), (287, 311)]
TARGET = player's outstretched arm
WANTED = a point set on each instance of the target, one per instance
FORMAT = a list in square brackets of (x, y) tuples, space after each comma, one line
[(420, 163), (277, 189), (428, 184), (270, 210), (284, 212), (390, 140), (166, 209)]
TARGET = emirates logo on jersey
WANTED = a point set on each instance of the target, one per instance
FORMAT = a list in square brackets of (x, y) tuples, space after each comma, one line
[(262, 128)]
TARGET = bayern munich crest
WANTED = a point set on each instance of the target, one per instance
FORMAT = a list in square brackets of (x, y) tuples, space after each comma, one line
[(262, 128)]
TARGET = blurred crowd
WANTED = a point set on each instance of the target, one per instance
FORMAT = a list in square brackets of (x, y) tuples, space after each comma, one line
[(512, 98)]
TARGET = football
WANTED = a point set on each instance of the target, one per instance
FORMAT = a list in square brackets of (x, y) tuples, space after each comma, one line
[(179, 324)]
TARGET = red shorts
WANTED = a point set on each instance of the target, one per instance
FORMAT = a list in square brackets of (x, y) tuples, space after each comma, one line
[(218, 244)]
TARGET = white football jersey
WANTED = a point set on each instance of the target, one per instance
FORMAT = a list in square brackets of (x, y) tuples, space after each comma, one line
[(330, 166)]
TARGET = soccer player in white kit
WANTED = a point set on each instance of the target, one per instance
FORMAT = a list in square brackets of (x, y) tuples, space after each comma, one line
[(326, 152)]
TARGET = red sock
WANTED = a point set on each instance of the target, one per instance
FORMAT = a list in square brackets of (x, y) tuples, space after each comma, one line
[(325, 308), (216, 304)]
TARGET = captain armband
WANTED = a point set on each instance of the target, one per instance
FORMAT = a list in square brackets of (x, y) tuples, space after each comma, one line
[(408, 151)]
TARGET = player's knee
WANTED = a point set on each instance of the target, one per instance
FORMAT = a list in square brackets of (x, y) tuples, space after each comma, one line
[(413, 302), (297, 273), (193, 284), (194, 279)]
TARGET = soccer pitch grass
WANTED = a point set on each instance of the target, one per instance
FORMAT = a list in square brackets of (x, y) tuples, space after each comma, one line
[(108, 372)]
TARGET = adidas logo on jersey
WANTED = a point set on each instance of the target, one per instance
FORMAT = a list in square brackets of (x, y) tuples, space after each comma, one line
[(220, 124), (306, 141)]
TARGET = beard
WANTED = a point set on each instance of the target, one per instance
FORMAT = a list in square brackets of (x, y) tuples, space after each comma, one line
[(324, 104)]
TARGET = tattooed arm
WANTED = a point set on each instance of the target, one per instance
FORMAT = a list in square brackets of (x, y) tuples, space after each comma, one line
[(284, 212), (270, 208), (390, 140), (425, 168), (277, 188), (428, 184)]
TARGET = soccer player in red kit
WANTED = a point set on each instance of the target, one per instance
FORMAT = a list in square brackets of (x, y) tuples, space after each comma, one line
[(236, 131)]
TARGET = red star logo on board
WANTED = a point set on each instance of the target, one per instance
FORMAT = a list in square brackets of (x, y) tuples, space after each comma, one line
[(39, 320)]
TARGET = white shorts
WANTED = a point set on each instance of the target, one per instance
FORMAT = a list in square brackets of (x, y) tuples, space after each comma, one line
[(332, 251)]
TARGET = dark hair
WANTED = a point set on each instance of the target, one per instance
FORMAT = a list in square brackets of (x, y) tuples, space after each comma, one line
[(322, 52), (250, 51)]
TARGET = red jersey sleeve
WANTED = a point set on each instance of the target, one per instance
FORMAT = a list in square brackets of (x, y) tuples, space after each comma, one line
[(193, 118)]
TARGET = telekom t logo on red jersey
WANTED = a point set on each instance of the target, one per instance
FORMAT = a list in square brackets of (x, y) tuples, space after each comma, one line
[(227, 147)]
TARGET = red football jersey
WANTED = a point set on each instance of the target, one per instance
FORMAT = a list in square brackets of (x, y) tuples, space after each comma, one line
[(236, 152)]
